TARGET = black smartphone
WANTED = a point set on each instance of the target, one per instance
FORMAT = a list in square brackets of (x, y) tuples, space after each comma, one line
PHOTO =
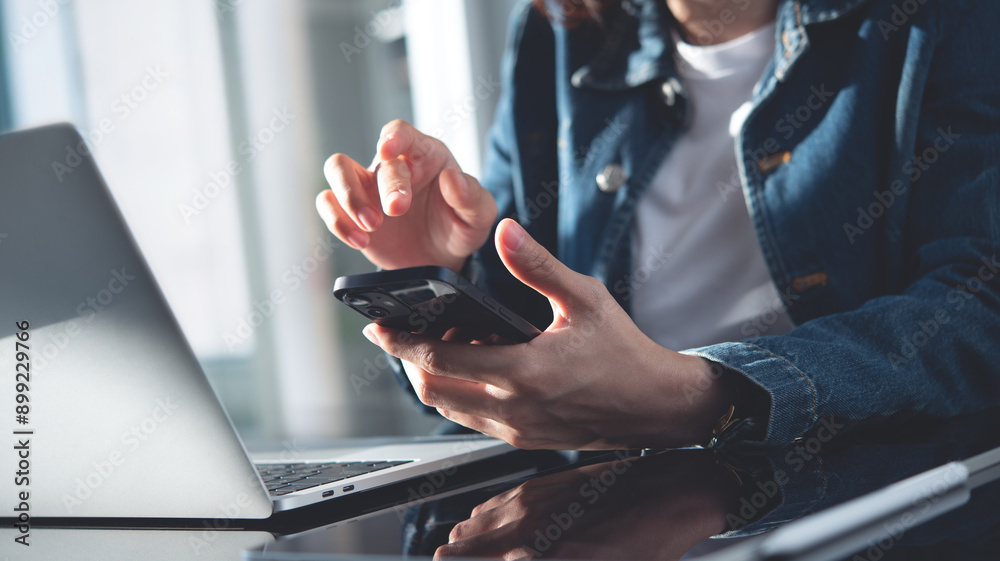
[(431, 301)]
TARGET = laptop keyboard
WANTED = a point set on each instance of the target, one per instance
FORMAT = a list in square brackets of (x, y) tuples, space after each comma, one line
[(282, 479)]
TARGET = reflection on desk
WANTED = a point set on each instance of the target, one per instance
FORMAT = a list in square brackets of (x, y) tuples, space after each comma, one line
[(51, 544), (660, 506)]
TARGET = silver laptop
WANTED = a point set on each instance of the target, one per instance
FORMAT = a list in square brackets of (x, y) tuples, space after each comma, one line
[(876, 518), (106, 410)]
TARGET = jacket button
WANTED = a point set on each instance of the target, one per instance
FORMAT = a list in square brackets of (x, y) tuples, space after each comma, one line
[(773, 161), (611, 178), (670, 88)]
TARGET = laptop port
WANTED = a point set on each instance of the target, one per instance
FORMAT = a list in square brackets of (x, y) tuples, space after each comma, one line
[(328, 493), (348, 488)]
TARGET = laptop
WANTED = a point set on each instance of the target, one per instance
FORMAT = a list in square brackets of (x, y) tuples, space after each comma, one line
[(879, 517), (106, 410)]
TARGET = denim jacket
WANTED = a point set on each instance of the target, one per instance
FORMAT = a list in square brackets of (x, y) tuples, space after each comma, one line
[(869, 165)]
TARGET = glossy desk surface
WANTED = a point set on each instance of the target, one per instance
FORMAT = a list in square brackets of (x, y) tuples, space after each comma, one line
[(659, 506)]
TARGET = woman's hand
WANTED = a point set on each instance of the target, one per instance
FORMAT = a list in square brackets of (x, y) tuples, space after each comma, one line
[(656, 507), (591, 380), (412, 206)]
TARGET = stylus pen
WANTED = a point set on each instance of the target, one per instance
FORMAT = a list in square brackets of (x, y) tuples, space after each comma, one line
[(876, 518)]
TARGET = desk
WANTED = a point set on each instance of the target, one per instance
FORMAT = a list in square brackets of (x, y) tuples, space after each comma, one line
[(615, 507)]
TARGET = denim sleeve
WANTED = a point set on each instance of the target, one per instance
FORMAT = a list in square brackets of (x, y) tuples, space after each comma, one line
[(933, 349)]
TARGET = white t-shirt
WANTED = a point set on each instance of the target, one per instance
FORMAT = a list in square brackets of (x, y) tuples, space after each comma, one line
[(697, 270)]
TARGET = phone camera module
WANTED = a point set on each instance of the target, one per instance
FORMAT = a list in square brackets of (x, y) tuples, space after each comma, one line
[(357, 300), (377, 312)]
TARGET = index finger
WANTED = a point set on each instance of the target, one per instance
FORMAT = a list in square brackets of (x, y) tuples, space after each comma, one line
[(488, 364), (424, 155)]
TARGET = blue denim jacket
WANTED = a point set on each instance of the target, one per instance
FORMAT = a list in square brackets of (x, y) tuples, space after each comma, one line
[(869, 164)]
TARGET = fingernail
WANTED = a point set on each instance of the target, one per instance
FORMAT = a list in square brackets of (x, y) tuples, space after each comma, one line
[(369, 333), (358, 239), (513, 236), (388, 149), (390, 199), (367, 218), (464, 184)]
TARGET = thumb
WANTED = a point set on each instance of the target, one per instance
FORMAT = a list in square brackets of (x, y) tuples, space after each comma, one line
[(533, 265)]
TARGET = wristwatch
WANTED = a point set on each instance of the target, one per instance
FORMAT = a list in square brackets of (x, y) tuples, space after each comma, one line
[(750, 401)]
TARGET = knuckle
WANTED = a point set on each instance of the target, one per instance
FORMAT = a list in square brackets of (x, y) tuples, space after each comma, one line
[(393, 174), (339, 226), (335, 162), (521, 441), (393, 125), (594, 289), (591, 293), (322, 199), (429, 359), (424, 145), (539, 263), (504, 413), (483, 507), (458, 532), (425, 394), (448, 551)]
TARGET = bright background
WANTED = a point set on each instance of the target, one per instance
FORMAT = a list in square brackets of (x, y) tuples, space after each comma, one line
[(221, 114)]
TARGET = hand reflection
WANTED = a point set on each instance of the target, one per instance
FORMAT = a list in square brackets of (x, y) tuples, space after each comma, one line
[(631, 508)]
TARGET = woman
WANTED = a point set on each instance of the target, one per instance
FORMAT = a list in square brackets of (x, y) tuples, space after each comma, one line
[(824, 164)]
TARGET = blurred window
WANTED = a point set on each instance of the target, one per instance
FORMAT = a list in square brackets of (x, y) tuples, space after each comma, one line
[(210, 121)]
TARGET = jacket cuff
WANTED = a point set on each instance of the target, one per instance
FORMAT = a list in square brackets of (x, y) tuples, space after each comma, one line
[(793, 408)]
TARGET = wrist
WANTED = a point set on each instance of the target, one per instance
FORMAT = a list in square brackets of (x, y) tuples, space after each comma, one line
[(745, 400), (712, 399)]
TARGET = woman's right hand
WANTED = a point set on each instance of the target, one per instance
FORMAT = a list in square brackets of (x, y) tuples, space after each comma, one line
[(413, 205)]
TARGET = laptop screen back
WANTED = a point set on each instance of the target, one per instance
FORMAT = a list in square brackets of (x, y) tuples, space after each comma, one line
[(117, 418)]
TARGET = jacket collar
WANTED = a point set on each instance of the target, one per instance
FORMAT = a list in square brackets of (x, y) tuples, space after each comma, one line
[(637, 47)]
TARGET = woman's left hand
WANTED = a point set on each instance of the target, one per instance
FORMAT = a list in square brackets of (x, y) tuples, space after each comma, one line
[(591, 380)]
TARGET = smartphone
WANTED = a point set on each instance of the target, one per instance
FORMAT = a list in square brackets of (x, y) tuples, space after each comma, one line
[(431, 301)]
